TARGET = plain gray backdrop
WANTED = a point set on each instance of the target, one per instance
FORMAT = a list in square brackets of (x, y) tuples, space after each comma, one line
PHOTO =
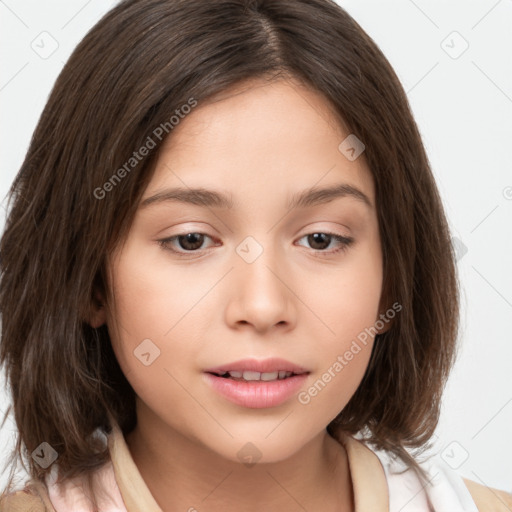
[(454, 60)]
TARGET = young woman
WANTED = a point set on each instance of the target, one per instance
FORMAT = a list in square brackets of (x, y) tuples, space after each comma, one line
[(227, 278)]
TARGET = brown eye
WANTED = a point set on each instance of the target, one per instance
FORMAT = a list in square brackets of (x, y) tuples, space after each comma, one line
[(190, 241), (320, 241), (184, 243)]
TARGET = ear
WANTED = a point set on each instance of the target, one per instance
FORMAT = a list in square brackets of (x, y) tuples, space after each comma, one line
[(97, 315), (383, 322), (387, 313)]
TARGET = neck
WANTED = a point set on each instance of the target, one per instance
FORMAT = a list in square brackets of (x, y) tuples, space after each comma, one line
[(185, 475)]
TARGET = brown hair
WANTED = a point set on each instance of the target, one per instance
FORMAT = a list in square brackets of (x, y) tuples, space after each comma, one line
[(139, 64)]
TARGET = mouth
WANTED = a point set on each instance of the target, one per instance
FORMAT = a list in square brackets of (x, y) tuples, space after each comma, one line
[(256, 383), (251, 376), (272, 368)]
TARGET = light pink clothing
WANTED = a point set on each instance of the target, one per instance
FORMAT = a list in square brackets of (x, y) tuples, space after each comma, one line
[(71, 496), (377, 485)]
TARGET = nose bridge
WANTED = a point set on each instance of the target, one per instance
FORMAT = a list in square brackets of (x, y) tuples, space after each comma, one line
[(258, 257), (261, 294)]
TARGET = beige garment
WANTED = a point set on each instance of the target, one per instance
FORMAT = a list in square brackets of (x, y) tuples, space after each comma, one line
[(368, 479)]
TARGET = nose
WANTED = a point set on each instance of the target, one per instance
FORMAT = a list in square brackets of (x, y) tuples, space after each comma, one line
[(262, 293)]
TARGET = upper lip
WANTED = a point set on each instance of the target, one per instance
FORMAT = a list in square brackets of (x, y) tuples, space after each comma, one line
[(273, 364)]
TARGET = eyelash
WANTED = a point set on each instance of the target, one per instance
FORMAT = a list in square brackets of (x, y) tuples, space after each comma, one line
[(346, 242)]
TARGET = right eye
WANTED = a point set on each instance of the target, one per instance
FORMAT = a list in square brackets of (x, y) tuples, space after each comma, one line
[(189, 243)]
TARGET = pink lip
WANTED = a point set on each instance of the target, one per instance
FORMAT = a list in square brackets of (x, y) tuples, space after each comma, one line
[(256, 394), (273, 364)]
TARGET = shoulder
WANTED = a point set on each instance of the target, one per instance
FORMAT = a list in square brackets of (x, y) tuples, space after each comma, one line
[(488, 499), (447, 490), (70, 494), (33, 498)]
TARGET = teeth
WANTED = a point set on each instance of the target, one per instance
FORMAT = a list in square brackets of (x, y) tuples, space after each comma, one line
[(248, 375), (269, 376), (252, 376)]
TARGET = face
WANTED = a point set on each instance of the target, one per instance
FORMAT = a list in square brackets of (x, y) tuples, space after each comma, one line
[(254, 279)]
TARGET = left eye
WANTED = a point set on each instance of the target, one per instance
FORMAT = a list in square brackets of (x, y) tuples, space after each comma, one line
[(321, 239), (192, 242)]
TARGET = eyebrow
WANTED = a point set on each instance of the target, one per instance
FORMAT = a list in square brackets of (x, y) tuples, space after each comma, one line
[(216, 199)]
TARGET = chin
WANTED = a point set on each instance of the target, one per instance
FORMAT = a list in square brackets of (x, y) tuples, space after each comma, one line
[(251, 449)]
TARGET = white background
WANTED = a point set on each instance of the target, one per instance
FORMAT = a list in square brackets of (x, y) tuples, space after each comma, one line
[(463, 106)]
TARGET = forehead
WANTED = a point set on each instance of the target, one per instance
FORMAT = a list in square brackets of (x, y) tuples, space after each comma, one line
[(259, 135), (261, 106)]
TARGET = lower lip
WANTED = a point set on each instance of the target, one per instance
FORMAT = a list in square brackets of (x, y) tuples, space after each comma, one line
[(256, 394)]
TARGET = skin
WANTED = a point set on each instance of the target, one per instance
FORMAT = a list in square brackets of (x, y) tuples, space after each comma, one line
[(260, 143)]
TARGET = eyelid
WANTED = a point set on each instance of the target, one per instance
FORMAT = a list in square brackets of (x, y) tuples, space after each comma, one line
[(345, 241)]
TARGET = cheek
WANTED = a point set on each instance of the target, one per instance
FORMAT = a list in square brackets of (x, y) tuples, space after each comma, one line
[(347, 299), (329, 392), (156, 322), (343, 353), (348, 306), (151, 296)]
